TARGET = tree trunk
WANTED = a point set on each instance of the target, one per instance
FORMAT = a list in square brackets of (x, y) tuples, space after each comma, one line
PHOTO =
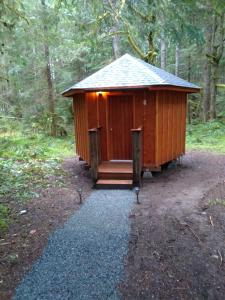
[(207, 74), (189, 98), (163, 52), (116, 41), (114, 28), (214, 67), (51, 93), (215, 57), (214, 79), (177, 57)]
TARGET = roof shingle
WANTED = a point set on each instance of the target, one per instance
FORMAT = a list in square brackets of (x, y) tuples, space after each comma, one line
[(128, 71)]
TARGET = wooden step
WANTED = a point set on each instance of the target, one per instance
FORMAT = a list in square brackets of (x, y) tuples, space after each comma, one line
[(114, 167), (114, 184), (115, 175), (115, 170)]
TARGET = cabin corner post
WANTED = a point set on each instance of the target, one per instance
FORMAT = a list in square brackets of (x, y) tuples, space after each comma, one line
[(94, 152), (137, 155)]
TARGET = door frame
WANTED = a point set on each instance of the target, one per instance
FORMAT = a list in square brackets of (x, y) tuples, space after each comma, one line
[(110, 149)]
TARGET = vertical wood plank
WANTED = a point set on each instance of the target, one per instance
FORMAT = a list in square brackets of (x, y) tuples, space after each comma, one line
[(80, 125)]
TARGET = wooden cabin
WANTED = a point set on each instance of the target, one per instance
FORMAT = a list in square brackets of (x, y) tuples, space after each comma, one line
[(129, 117)]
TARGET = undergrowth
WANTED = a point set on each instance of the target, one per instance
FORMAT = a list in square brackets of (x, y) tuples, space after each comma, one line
[(217, 202), (28, 164), (4, 217), (207, 136)]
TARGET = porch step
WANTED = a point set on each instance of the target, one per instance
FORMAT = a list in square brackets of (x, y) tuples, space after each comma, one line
[(115, 170), (114, 184), (115, 175)]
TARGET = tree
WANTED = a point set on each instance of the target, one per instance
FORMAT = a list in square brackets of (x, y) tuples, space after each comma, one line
[(49, 72), (218, 39), (214, 28)]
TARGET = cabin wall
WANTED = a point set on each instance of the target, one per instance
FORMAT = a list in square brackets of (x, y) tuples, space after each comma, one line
[(97, 115), (149, 130), (92, 109), (161, 114), (170, 125), (81, 126)]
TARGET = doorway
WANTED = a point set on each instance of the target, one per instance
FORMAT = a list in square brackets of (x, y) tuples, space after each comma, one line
[(120, 125)]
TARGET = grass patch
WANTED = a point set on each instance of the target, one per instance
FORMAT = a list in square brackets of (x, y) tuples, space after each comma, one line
[(28, 164), (4, 217), (217, 202), (36, 147), (207, 136)]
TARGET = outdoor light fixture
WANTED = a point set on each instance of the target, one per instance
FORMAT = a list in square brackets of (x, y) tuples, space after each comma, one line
[(79, 191), (99, 93), (137, 190)]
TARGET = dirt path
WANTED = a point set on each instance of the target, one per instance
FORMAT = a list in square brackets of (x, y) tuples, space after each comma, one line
[(177, 246)]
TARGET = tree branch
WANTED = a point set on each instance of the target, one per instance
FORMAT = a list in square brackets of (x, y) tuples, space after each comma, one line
[(17, 12), (144, 17)]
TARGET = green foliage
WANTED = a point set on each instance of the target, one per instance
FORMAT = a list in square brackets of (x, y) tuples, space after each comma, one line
[(207, 136), (28, 163), (217, 202), (4, 217)]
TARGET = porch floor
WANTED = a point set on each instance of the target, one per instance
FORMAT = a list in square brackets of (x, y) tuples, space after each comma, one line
[(115, 167)]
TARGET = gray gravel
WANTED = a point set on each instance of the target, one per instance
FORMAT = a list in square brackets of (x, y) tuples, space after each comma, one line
[(84, 259)]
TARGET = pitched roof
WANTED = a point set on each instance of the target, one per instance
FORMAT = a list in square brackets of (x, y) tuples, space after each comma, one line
[(129, 72)]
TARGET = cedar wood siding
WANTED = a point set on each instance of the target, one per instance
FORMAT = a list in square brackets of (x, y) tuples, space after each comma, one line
[(81, 126), (170, 125), (143, 115), (162, 117)]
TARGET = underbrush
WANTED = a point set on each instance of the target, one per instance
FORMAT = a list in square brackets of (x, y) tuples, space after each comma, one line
[(28, 164), (4, 217), (217, 202), (207, 136)]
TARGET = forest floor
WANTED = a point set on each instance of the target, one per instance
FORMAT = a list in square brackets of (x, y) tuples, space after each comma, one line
[(28, 233), (176, 248), (177, 241)]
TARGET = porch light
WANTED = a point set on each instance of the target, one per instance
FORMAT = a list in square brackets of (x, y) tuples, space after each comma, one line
[(137, 190), (99, 93)]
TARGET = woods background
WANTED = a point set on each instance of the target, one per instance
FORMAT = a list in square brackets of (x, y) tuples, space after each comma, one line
[(48, 45)]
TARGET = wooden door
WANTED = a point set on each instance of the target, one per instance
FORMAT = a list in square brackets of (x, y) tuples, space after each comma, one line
[(120, 123)]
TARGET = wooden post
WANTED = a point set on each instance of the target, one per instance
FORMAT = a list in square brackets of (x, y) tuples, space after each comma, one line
[(137, 155), (94, 142)]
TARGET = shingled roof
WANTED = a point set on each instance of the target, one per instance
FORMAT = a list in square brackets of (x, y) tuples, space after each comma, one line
[(129, 72)]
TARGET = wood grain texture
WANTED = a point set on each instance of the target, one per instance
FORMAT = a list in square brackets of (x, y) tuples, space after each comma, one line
[(81, 126), (149, 129), (171, 120), (102, 122), (120, 124), (161, 114)]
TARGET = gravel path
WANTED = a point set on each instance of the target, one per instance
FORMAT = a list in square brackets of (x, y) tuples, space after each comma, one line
[(84, 259)]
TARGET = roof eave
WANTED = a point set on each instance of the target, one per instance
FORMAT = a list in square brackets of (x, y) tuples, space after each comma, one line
[(71, 92), (174, 88)]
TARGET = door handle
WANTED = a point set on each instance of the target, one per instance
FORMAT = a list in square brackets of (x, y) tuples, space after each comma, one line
[(110, 129)]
